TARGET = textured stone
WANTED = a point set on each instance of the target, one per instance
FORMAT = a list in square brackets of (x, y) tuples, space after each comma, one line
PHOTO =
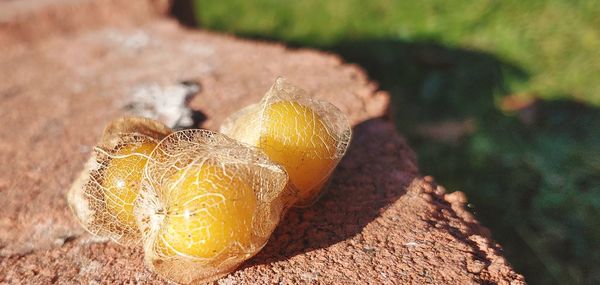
[(68, 67)]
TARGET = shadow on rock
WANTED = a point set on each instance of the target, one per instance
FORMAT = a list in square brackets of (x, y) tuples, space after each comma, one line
[(368, 179)]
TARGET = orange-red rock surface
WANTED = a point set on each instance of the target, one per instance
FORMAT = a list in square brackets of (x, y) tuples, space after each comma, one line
[(68, 67)]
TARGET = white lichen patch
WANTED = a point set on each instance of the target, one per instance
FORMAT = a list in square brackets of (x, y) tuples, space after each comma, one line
[(167, 104)]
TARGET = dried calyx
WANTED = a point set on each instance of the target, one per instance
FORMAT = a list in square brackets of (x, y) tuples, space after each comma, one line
[(307, 136), (207, 204), (103, 195)]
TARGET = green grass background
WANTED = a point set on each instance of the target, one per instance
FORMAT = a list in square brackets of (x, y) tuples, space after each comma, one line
[(531, 175)]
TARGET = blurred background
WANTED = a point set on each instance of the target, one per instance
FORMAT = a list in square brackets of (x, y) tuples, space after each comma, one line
[(498, 98)]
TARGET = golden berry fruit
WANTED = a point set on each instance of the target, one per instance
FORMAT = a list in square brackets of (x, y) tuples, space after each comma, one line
[(122, 179), (297, 138), (104, 195), (209, 212), (207, 204), (305, 135)]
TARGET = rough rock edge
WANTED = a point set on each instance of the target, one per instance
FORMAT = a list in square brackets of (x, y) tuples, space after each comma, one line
[(477, 236)]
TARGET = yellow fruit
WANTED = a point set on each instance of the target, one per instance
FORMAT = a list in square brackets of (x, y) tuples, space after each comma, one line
[(122, 179), (296, 137), (208, 212)]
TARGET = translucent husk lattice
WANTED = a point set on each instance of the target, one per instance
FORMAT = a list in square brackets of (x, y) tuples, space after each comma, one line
[(200, 202), (235, 195), (306, 135), (100, 207)]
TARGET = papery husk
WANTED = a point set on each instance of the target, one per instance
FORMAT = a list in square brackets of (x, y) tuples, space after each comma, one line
[(247, 126), (86, 196), (185, 151)]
